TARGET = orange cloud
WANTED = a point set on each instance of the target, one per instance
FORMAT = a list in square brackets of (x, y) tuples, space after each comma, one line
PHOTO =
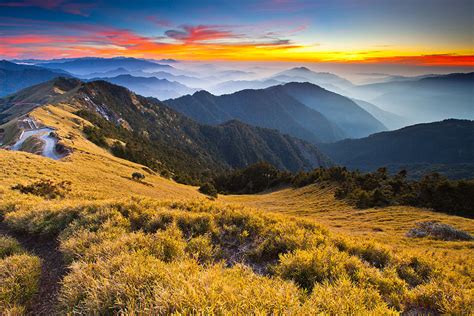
[(201, 42), (426, 60)]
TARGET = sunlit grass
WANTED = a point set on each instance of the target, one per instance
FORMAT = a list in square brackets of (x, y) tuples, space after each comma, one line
[(158, 247)]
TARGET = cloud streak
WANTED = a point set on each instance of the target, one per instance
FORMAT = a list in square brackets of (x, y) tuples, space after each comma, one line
[(77, 8)]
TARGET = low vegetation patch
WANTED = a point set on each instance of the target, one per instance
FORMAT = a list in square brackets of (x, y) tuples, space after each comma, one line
[(47, 189), (208, 189), (143, 256), (19, 277), (439, 231)]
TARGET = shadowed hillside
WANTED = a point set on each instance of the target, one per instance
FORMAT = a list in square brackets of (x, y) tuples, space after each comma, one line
[(448, 142)]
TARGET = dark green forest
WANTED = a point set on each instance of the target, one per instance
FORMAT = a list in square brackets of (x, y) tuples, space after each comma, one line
[(364, 190)]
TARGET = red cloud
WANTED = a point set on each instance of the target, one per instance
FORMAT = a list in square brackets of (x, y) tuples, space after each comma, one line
[(199, 33)]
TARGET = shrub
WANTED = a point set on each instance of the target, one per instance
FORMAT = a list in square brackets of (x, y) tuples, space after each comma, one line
[(208, 189), (19, 279), (375, 255), (168, 245), (415, 271), (45, 188), (9, 246), (201, 249), (307, 267), (441, 297), (137, 176), (344, 298), (137, 283), (438, 231)]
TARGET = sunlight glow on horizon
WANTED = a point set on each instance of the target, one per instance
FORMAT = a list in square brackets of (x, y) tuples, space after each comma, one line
[(340, 31)]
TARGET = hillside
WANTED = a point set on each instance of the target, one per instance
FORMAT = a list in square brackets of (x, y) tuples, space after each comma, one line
[(302, 110), (152, 134), (270, 108), (427, 99), (353, 120), (123, 241), (390, 120), (447, 142), (14, 77)]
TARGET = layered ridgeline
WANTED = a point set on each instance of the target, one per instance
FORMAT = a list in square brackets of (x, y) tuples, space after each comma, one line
[(87, 65), (147, 131), (302, 110), (150, 86), (14, 77), (445, 146), (326, 80), (423, 99)]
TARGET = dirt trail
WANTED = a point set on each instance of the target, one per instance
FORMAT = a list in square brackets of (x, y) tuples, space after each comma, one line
[(52, 269)]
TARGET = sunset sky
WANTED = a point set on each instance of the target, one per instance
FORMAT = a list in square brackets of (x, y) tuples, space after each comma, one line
[(413, 32)]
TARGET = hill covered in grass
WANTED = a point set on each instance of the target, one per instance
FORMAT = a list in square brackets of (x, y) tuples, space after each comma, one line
[(146, 131)]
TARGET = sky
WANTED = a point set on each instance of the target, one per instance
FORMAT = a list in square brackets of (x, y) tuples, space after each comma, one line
[(428, 33)]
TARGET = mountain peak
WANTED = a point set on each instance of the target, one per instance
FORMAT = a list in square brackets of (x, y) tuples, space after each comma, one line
[(302, 68), (202, 93)]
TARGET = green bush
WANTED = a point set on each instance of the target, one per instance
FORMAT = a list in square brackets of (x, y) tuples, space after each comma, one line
[(208, 189), (45, 188)]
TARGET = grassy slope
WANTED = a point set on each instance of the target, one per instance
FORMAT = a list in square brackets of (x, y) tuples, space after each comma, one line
[(386, 225), (94, 173)]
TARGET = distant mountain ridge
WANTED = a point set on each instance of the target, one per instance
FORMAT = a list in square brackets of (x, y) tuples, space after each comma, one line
[(150, 86), (86, 65), (172, 138), (270, 108), (446, 142), (430, 98), (303, 110), (14, 77)]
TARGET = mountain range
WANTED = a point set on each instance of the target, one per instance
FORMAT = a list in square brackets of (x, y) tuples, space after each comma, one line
[(424, 99), (150, 86), (154, 132), (448, 143), (87, 65), (14, 77), (302, 110)]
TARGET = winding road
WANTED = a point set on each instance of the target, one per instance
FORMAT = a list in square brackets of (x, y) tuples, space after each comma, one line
[(43, 134)]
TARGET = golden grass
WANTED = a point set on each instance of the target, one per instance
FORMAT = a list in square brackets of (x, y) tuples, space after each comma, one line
[(131, 253), (387, 225), (93, 172), (19, 277)]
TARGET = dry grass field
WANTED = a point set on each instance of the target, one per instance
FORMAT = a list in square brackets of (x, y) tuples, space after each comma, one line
[(158, 247)]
